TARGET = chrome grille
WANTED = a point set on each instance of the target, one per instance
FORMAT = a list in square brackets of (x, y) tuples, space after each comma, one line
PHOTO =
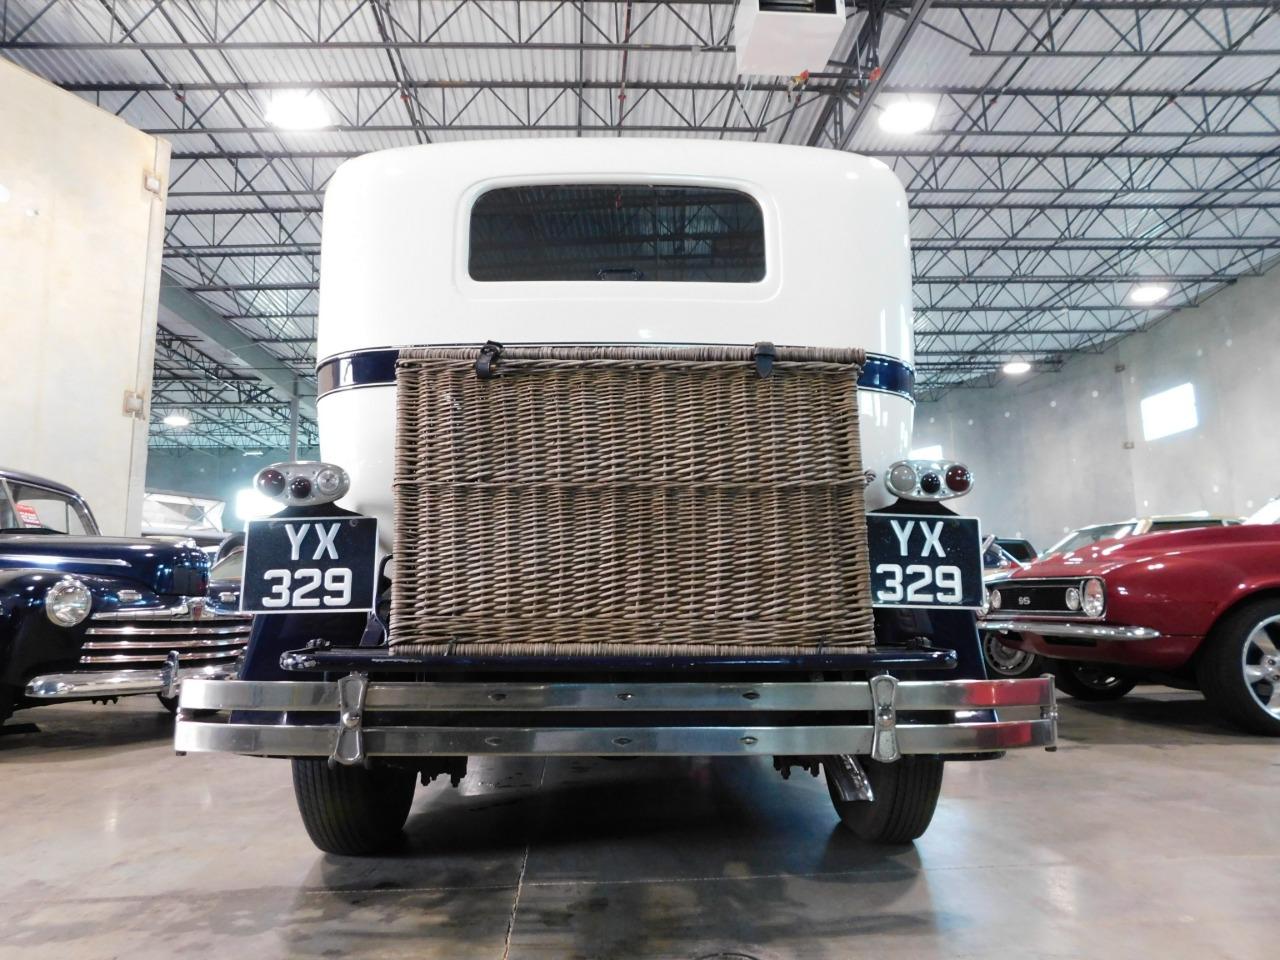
[(143, 637)]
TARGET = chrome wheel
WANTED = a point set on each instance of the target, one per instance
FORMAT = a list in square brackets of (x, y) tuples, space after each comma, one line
[(1003, 659), (1260, 660)]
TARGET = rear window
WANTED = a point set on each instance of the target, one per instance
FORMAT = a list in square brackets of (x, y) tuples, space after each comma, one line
[(1158, 525), (606, 232)]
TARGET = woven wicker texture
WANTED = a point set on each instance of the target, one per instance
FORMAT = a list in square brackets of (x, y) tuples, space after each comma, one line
[(629, 501)]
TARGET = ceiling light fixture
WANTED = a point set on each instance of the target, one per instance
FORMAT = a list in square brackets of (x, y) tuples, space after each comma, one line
[(1016, 368), (297, 110), (1149, 293), (907, 116), (177, 420)]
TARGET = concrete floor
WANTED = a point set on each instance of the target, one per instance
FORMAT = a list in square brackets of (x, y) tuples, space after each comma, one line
[(1152, 833)]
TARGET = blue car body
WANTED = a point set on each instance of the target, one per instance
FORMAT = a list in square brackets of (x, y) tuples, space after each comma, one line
[(148, 598)]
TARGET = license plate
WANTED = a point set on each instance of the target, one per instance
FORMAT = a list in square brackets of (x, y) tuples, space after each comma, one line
[(924, 561), (311, 565)]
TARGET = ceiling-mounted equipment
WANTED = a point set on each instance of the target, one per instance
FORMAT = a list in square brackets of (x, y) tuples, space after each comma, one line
[(786, 37)]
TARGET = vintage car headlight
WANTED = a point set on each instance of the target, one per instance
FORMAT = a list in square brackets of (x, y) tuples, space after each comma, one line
[(1094, 597), (1073, 599), (67, 602), (995, 599)]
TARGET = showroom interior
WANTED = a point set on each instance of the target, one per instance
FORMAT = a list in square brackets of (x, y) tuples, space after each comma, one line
[(708, 479)]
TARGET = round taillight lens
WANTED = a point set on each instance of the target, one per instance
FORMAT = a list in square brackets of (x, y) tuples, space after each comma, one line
[(1093, 598), (959, 479), (300, 488), (271, 482), (329, 482), (931, 483), (902, 478)]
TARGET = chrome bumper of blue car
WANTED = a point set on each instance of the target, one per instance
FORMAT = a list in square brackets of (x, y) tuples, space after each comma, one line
[(281, 711), (96, 684)]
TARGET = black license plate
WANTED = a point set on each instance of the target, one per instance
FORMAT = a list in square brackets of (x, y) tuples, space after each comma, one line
[(311, 565), (924, 561)]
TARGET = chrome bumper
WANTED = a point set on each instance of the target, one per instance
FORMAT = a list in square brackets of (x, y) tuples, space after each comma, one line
[(1065, 628), (95, 684), (347, 738)]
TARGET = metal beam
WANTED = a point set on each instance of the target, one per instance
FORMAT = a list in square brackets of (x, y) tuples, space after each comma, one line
[(178, 303), (184, 87), (1099, 154)]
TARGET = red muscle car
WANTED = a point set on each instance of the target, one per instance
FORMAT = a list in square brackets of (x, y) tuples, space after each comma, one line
[(1192, 608)]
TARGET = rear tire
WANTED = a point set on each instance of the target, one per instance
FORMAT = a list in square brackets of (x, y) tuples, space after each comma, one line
[(906, 794), (1239, 668), (352, 811), (1087, 682)]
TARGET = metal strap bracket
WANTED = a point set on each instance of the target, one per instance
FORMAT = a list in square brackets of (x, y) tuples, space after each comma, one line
[(764, 354), (884, 741), (488, 359), (348, 748)]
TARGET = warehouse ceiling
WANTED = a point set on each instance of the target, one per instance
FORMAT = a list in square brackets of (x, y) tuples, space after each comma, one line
[(1078, 150)]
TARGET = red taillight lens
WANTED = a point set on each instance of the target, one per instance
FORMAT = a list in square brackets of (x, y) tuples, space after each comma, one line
[(271, 482), (959, 479)]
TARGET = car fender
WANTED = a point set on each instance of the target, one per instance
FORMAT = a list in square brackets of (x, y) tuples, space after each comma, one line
[(27, 637), (1185, 593)]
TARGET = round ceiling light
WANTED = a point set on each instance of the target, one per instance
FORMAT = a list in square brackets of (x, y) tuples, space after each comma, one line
[(907, 116), (177, 420), (1149, 293), (297, 110), (1016, 368)]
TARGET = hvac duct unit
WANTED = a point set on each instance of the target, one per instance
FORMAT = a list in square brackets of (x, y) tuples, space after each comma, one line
[(786, 37)]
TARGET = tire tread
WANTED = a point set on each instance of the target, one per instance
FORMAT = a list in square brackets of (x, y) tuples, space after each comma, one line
[(906, 796), (352, 811)]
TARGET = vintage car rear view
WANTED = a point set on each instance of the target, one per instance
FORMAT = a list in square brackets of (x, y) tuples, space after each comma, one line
[(88, 617), (614, 465), (1195, 608)]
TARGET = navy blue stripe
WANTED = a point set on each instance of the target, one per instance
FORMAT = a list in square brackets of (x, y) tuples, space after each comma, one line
[(367, 368), (889, 375)]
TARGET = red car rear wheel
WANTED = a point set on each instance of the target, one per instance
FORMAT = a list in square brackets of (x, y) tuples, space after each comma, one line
[(1239, 669), (1085, 681)]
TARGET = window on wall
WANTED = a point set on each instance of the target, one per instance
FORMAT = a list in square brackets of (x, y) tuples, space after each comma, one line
[(1169, 412), (626, 231)]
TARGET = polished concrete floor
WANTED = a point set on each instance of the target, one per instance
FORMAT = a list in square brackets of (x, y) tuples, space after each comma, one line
[(1153, 833)]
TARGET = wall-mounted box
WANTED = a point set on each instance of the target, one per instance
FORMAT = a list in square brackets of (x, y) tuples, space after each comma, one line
[(786, 37)]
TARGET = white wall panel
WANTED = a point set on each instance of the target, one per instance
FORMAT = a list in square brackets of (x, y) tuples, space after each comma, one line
[(80, 247), (1050, 453)]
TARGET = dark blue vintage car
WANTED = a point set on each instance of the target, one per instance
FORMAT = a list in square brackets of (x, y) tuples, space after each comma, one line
[(88, 617)]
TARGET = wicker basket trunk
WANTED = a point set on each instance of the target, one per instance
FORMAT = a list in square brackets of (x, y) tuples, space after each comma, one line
[(629, 501)]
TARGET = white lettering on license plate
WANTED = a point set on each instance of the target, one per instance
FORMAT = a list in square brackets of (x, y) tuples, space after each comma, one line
[(919, 582)]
